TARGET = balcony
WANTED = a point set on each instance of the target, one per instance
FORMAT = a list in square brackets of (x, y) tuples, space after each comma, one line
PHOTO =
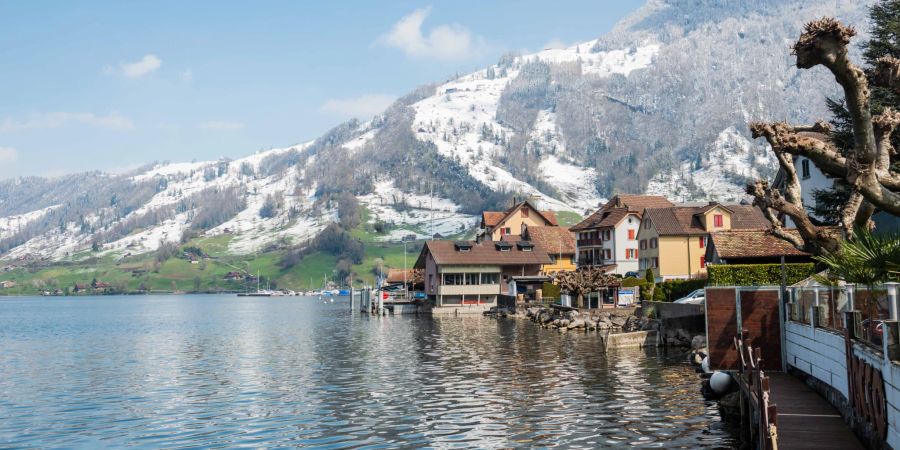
[(590, 242), (470, 289)]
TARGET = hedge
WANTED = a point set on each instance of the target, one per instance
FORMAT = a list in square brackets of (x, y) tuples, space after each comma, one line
[(757, 274), (668, 291), (632, 282)]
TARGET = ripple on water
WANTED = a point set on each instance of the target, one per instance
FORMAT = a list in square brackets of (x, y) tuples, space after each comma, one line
[(218, 371)]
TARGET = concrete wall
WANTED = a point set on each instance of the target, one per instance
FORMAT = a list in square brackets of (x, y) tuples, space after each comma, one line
[(817, 352), (631, 340)]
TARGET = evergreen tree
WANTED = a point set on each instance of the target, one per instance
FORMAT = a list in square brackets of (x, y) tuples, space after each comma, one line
[(885, 19)]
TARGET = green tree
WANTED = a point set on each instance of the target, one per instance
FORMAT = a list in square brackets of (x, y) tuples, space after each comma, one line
[(867, 259)]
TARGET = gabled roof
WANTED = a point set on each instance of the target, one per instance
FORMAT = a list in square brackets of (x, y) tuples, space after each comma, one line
[(683, 220), (445, 253), (752, 244), (552, 240), (494, 218), (713, 205), (396, 275), (608, 216)]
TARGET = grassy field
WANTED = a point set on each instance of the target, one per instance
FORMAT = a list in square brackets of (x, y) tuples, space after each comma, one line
[(567, 219)]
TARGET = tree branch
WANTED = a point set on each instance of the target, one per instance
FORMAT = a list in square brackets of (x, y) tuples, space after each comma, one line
[(887, 73)]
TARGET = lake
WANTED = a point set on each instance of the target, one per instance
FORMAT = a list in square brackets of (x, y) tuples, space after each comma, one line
[(222, 371)]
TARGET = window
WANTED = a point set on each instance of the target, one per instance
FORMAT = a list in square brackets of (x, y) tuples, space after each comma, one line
[(647, 223), (607, 253), (472, 278), (630, 235), (490, 278), (643, 244), (804, 168), (654, 243), (508, 230), (718, 220), (702, 241), (655, 262), (702, 262)]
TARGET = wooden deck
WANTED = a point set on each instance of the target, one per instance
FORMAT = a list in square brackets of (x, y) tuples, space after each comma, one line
[(805, 419)]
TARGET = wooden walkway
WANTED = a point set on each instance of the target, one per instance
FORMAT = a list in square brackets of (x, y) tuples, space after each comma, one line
[(805, 419)]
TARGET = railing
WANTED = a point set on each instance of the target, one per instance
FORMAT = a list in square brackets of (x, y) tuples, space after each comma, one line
[(755, 385), (586, 242), (824, 307)]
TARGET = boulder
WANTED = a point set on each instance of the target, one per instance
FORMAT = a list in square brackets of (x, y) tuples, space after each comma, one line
[(577, 323), (698, 342), (618, 321)]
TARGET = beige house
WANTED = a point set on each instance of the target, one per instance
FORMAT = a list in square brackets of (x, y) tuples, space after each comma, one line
[(514, 221), (672, 241)]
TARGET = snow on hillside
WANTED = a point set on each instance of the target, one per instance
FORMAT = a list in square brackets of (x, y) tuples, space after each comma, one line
[(453, 119), (11, 224), (722, 176), (420, 215)]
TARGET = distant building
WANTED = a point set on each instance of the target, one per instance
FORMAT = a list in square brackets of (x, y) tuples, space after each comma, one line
[(6, 284), (469, 276), (752, 247), (608, 237), (673, 240), (497, 224)]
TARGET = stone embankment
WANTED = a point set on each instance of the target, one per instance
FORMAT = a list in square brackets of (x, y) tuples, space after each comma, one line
[(611, 321)]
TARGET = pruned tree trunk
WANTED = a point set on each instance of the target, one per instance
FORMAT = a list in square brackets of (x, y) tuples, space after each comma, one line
[(867, 168)]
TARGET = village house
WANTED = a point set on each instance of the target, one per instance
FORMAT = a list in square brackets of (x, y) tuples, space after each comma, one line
[(673, 240), (752, 247), (512, 222), (558, 243), (608, 237), (468, 276), (7, 284)]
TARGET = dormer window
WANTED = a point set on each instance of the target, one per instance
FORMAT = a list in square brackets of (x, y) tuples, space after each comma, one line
[(718, 221), (463, 246), (503, 246), (525, 246)]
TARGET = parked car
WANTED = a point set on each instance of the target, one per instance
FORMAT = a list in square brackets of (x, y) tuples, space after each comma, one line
[(631, 274), (697, 297)]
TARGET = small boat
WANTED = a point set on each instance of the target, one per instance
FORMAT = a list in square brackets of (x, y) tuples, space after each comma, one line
[(256, 294)]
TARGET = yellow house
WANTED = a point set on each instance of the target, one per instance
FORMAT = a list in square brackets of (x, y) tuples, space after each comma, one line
[(513, 221), (672, 241), (558, 242)]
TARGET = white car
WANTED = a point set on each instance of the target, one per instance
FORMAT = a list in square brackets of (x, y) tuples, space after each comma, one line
[(694, 298)]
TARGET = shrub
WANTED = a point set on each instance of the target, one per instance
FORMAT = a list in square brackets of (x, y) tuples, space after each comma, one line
[(632, 282), (550, 290), (757, 274), (668, 291)]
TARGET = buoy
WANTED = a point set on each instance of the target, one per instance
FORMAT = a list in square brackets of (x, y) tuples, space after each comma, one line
[(705, 365), (719, 382)]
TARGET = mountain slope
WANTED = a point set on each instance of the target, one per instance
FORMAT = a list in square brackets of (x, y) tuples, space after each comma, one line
[(658, 105)]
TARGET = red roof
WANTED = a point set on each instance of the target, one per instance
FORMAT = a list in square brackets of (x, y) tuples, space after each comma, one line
[(491, 219), (685, 220), (617, 208), (752, 244), (487, 253), (553, 240)]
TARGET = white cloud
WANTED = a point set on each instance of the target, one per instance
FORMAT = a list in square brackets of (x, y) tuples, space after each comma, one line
[(445, 42), (59, 119), (221, 125), (8, 155), (147, 64), (187, 76), (364, 106)]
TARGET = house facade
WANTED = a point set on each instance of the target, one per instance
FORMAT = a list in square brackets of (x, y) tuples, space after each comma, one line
[(608, 237), (673, 240), (468, 277), (513, 221)]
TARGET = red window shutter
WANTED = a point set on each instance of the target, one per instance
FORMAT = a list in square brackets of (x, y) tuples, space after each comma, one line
[(717, 220), (702, 241), (702, 262), (503, 232), (631, 234)]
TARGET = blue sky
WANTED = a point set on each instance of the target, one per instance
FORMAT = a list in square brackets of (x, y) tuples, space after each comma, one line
[(109, 85)]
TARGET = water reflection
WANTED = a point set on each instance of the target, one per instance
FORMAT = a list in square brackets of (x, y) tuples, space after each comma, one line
[(222, 371)]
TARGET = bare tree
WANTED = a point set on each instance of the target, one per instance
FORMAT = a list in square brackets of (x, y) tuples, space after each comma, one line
[(866, 167), (584, 281)]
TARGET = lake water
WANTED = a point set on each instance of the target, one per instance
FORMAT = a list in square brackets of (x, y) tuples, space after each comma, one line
[(223, 371)]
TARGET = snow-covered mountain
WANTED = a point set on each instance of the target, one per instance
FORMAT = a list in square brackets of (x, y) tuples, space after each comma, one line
[(658, 105)]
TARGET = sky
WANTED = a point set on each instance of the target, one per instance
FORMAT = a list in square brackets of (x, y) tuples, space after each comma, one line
[(112, 85)]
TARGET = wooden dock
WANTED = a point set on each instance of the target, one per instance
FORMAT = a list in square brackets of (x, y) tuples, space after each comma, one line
[(779, 411), (805, 419)]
